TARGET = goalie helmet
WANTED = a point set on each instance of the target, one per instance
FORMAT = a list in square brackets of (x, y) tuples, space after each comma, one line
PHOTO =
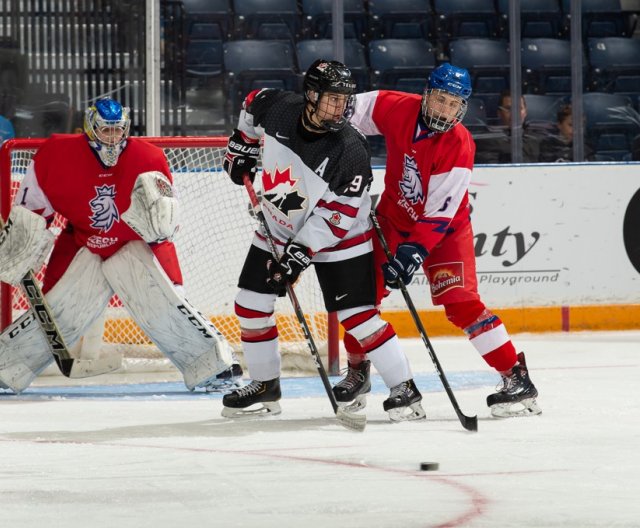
[(325, 76), (106, 124), (452, 85)]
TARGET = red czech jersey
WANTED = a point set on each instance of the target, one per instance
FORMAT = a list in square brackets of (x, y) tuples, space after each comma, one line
[(67, 177), (427, 173)]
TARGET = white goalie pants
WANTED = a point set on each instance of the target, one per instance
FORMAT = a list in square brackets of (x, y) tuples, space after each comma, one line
[(181, 333)]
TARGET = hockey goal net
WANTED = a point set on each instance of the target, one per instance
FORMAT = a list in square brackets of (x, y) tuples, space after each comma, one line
[(216, 228)]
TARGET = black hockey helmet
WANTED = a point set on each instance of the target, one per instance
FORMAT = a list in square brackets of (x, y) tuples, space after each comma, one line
[(329, 76)]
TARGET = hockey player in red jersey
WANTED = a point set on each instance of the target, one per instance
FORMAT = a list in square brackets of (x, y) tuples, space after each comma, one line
[(116, 194), (424, 215), (316, 171)]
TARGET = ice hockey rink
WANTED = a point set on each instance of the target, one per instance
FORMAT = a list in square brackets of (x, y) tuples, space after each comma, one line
[(147, 453)]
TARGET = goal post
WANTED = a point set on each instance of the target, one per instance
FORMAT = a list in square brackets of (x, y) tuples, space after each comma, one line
[(216, 229)]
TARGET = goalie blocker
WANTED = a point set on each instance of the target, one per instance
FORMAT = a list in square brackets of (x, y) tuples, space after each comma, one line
[(181, 333)]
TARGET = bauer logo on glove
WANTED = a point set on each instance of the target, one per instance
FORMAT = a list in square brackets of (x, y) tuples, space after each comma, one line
[(241, 157), (295, 259)]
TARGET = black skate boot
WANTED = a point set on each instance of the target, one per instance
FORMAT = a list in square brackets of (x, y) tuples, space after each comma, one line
[(351, 391), (517, 396), (403, 403), (266, 393), (226, 381)]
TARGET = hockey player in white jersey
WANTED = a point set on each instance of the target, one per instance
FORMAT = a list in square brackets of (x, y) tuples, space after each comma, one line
[(316, 172)]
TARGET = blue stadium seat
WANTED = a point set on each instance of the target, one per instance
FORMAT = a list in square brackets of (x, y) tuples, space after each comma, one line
[(538, 18), (401, 64), (602, 18), (610, 123), (466, 18), (251, 64), (547, 65), (542, 110), (204, 58), (354, 57), (615, 65), (400, 18), (208, 19), (316, 19), (250, 15), (487, 61)]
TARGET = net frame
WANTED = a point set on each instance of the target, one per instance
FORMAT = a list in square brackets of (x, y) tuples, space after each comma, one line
[(213, 192)]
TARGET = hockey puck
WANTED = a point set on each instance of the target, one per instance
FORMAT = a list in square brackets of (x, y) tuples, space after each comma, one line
[(429, 466)]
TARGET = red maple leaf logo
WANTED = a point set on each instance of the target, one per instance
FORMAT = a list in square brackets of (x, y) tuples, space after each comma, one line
[(279, 188), (272, 180)]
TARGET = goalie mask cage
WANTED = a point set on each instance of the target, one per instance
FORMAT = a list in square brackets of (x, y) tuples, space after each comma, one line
[(216, 229)]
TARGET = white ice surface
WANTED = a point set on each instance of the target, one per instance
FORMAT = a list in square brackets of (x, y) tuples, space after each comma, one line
[(174, 462)]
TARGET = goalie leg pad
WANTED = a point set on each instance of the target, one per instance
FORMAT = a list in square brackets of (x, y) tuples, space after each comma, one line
[(77, 299), (181, 333)]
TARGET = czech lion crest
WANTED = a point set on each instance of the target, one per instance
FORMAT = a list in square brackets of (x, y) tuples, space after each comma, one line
[(411, 183), (104, 209)]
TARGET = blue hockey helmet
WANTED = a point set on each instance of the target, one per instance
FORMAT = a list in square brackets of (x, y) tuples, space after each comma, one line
[(446, 80), (106, 124)]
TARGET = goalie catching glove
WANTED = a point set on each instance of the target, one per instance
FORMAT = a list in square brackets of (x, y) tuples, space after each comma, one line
[(241, 157), (25, 243), (408, 259), (295, 259), (153, 212)]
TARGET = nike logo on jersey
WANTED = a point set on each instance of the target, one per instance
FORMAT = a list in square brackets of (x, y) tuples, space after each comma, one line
[(281, 137), (340, 297)]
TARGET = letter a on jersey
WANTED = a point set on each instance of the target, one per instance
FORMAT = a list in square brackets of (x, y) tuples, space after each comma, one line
[(280, 189)]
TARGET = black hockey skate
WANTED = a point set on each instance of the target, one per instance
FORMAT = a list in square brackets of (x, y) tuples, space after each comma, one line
[(351, 391), (266, 393), (403, 404), (226, 381), (517, 396)]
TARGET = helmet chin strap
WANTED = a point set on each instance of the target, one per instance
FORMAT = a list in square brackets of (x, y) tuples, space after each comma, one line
[(308, 123)]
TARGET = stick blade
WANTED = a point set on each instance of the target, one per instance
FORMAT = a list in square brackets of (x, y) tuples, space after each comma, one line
[(470, 423), (86, 368), (355, 422)]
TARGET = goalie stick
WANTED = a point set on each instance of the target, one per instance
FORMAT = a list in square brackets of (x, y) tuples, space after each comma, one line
[(470, 423), (69, 366), (349, 420)]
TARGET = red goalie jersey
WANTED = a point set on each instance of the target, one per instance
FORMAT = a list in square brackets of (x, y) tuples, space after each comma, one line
[(66, 177), (427, 174)]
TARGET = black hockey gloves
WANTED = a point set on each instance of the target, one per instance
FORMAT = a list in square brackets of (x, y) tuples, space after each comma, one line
[(295, 259), (241, 157), (409, 257)]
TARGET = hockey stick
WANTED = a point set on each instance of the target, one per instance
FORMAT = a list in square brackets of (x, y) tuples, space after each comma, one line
[(347, 419), (69, 366), (470, 423)]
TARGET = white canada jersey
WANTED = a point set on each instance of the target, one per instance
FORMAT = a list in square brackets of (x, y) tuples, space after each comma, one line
[(314, 186)]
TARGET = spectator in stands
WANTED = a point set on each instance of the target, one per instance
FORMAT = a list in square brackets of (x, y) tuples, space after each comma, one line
[(6, 130), (494, 146), (558, 146)]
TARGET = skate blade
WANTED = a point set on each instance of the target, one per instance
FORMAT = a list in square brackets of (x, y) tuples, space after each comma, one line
[(528, 407), (407, 414), (355, 422), (267, 409), (356, 405)]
